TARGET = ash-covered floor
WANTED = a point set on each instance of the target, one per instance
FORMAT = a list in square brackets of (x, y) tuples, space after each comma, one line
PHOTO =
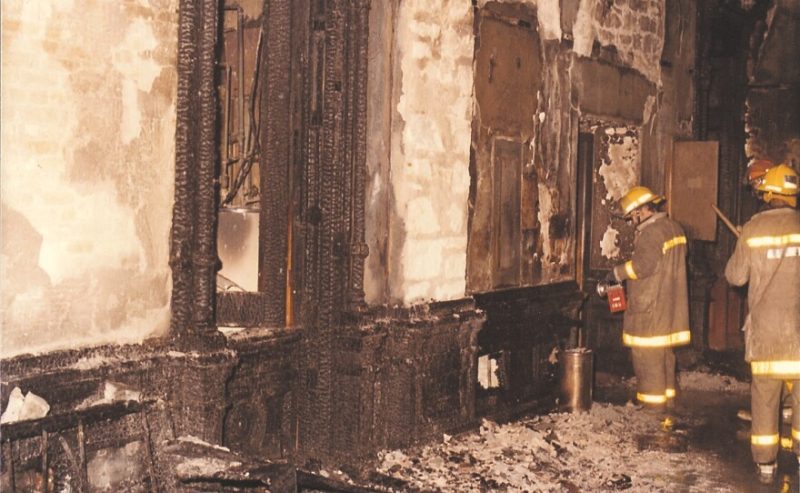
[(615, 446)]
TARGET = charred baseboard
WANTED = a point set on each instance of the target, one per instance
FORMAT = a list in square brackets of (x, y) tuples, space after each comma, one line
[(110, 408), (405, 375), (260, 418)]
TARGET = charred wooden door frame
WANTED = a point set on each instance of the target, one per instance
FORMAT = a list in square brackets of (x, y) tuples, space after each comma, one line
[(584, 206), (313, 146), (313, 141), (328, 198)]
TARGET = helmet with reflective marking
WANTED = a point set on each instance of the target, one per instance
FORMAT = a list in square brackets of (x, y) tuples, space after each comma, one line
[(637, 197), (780, 182)]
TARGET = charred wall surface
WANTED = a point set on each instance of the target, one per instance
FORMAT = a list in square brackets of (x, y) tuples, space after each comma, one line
[(519, 345), (260, 394), (747, 89), (772, 122), (270, 392), (501, 103)]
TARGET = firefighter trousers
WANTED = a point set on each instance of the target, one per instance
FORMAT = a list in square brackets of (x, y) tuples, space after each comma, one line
[(655, 374), (765, 405)]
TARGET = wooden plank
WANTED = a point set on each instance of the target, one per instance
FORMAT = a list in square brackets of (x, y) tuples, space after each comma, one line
[(507, 167), (693, 187), (60, 422)]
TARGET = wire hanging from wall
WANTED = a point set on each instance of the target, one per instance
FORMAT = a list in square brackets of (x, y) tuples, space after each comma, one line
[(249, 141)]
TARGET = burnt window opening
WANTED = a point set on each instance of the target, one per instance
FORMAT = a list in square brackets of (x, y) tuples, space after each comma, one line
[(255, 282), (239, 158), (291, 162)]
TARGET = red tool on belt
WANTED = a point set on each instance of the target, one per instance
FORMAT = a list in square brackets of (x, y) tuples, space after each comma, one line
[(615, 294)]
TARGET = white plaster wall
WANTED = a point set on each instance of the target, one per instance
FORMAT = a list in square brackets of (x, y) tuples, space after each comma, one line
[(430, 150), (88, 112)]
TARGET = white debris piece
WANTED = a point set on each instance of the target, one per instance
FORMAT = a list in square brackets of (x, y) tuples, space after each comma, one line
[(20, 408), (706, 381), (111, 392), (206, 466), (200, 441), (120, 392), (34, 407), (15, 400)]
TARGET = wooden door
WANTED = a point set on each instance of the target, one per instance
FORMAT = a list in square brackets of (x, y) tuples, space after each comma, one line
[(504, 228)]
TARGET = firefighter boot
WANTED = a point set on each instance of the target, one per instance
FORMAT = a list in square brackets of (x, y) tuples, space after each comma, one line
[(767, 472)]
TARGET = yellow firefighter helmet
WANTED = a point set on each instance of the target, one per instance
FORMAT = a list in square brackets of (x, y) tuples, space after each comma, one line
[(781, 183), (637, 197)]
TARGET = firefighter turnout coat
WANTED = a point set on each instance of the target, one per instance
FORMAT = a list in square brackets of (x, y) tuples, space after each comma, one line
[(767, 255), (658, 306)]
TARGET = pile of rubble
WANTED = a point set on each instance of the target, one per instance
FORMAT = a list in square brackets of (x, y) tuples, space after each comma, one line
[(611, 447)]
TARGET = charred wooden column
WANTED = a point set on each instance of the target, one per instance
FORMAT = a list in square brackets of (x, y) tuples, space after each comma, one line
[(193, 256), (357, 85), (332, 202), (275, 147), (196, 384)]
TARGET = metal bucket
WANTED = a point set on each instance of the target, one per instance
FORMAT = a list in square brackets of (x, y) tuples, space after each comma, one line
[(576, 377)]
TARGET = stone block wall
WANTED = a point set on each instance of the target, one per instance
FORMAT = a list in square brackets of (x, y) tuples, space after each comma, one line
[(425, 194), (635, 28)]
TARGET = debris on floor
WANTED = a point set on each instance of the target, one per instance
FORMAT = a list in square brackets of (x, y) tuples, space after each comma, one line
[(202, 466), (609, 448)]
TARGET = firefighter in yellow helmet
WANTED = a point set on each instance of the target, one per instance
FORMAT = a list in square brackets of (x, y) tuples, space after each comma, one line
[(657, 316), (767, 255)]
